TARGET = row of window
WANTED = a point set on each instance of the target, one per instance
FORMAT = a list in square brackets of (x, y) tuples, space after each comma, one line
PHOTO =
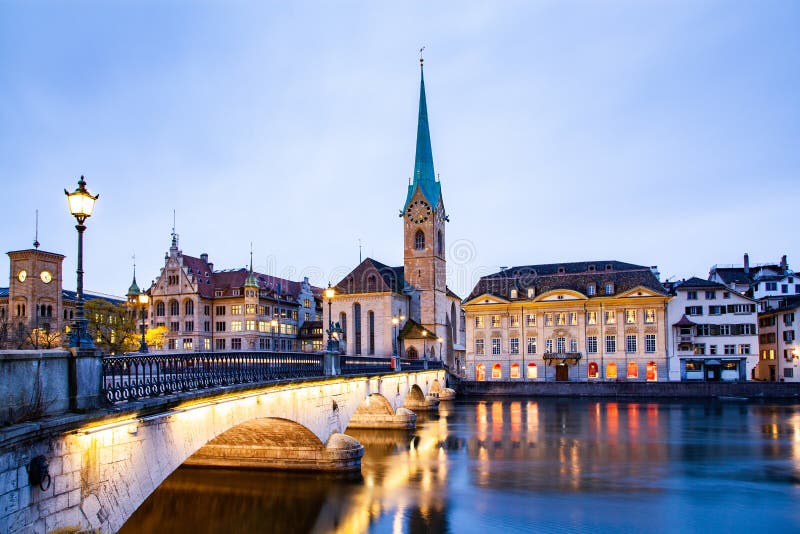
[(235, 326), (560, 346), (567, 318), (720, 330), (720, 310), (743, 348), (788, 320), (591, 290), (710, 295), (235, 309), (773, 286), (236, 344), (769, 337), (592, 371)]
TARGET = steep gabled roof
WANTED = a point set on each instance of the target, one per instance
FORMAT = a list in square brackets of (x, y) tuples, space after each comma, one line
[(699, 283), (360, 279)]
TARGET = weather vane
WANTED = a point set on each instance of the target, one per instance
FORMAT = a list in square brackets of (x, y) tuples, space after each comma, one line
[(421, 59)]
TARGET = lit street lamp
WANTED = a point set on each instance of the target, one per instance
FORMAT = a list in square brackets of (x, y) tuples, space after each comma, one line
[(274, 327), (329, 294), (81, 204), (425, 347), (144, 299)]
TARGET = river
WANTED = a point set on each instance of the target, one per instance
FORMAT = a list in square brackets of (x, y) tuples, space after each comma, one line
[(522, 465)]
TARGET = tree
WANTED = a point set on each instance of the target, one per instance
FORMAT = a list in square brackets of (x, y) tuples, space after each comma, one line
[(112, 326), (155, 337)]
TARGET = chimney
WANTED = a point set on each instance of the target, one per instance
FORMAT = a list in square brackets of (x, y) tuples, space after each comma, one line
[(746, 263), (204, 257), (784, 266), (654, 269)]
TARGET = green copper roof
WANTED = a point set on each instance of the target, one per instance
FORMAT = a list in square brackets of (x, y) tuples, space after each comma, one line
[(424, 177), (134, 289)]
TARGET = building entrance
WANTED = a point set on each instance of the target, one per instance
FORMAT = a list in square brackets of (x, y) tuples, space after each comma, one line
[(562, 372)]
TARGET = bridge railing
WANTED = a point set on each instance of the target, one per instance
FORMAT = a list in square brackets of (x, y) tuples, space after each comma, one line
[(135, 376)]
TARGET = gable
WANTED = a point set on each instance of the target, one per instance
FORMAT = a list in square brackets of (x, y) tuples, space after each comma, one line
[(560, 295), (487, 298), (640, 291)]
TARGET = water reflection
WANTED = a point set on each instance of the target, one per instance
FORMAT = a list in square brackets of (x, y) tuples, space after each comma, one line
[(521, 464)]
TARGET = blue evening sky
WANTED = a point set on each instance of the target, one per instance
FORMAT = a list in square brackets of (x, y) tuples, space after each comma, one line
[(655, 132)]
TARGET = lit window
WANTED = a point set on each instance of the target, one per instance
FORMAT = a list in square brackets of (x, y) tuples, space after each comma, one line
[(480, 372), (533, 371), (479, 322), (187, 344), (236, 309), (630, 316), (548, 319), (593, 370), (495, 321), (530, 320), (610, 317), (649, 316), (651, 372), (207, 344), (561, 318), (611, 370), (251, 325), (591, 317), (530, 292), (573, 318), (513, 321), (236, 326), (250, 309), (513, 293), (633, 370), (497, 371), (514, 370)]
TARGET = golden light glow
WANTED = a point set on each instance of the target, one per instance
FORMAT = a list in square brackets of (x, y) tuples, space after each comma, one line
[(144, 298), (329, 292)]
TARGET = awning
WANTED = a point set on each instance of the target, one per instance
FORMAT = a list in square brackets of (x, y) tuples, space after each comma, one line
[(712, 362), (685, 321)]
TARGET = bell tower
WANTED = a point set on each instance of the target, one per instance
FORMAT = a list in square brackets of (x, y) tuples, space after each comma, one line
[(424, 221)]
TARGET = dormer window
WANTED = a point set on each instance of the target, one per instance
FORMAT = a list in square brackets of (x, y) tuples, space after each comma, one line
[(513, 293), (608, 267), (591, 290), (609, 288), (530, 292), (218, 293), (235, 292), (372, 284), (561, 270), (591, 268)]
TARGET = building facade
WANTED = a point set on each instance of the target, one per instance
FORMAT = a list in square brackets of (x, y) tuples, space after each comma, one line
[(207, 310), (406, 310), (585, 321), (779, 351), (714, 333)]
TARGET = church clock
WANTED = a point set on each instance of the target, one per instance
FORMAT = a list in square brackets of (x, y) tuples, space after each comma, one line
[(418, 211)]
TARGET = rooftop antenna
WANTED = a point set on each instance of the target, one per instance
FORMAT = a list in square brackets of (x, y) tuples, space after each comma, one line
[(174, 235), (359, 251), (251, 256), (134, 266), (36, 238)]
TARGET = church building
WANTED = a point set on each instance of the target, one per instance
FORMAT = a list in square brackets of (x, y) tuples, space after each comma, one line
[(406, 310)]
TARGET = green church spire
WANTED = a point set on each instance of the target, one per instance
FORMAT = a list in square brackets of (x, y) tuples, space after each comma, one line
[(424, 176)]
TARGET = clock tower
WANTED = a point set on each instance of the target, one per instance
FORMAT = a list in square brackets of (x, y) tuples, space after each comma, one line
[(424, 221)]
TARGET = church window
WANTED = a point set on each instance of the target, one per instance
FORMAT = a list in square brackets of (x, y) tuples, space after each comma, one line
[(372, 284), (160, 309), (419, 240), (188, 307), (357, 327), (440, 243), (371, 331)]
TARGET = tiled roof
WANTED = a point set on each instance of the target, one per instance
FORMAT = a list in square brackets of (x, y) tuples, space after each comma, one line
[(414, 330), (576, 276), (360, 279), (3, 292), (695, 282), (786, 303)]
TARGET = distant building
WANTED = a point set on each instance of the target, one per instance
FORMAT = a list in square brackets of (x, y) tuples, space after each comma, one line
[(206, 310), (584, 321), (779, 352), (758, 280), (713, 335), (416, 295)]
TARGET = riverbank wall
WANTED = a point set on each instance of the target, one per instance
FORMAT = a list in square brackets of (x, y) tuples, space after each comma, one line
[(673, 390)]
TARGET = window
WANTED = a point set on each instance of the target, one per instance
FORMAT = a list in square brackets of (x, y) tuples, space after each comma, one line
[(699, 348), (651, 372), (610, 317), (530, 292), (357, 327), (207, 326), (533, 371), (573, 345), (649, 342), (744, 348), (206, 344), (188, 326), (741, 308), (160, 309), (307, 302), (561, 345), (591, 344), (711, 295), (726, 295), (531, 349), (479, 323), (591, 290), (611, 370), (497, 371), (235, 293), (219, 344), (514, 371), (772, 286), (548, 319), (561, 318), (609, 288), (513, 293), (611, 344), (649, 316), (371, 332), (187, 344), (236, 309), (716, 310), (188, 307), (495, 321), (573, 318), (479, 349), (220, 310), (174, 326), (514, 345), (419, 240), (236, 326), (220, 326), (440, 242), (480, 372), (530, 320), (712, 349), (548, 346), (788, 319), (218, 293), (263, 326), (250, 309), (513, 321), (691, 295), (236, 343), (730, 349), (633, 370), (495, 346), (174, 308), (170, 344), (630, 343), (591, 317), (788, 372), (250, 325), (694, 310), (593, 370), (630, 316)]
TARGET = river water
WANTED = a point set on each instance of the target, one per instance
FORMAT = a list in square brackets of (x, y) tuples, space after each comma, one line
[(522, 465)]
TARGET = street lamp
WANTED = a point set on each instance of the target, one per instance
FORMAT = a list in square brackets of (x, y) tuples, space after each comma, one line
[(425, 347), (81, 204), (144, 299), (329, 294), (274, 327)]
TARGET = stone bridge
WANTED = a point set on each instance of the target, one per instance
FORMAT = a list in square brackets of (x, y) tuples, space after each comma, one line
[(102, 467)]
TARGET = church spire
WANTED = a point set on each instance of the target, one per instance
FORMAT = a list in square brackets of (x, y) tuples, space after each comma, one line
[(424, 175), (251, 280)]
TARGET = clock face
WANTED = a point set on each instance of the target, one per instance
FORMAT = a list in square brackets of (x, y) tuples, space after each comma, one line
[(46, 277), (22, 275), (418, 211)]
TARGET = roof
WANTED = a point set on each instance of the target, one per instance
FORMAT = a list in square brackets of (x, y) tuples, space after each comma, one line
[(307, 330), (576, 276), (685, 321), (414, 330), (372, 276), (66, 294), (424, 176), (786, 303), (3, 292), (695, 282)]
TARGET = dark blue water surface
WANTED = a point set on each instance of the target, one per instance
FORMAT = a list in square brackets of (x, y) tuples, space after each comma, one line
[(522, 465)]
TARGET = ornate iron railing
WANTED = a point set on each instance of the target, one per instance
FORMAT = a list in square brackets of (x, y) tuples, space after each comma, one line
[(136, 376), (357, 365)]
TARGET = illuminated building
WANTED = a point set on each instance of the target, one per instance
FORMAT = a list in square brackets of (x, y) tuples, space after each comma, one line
[(778, 349)]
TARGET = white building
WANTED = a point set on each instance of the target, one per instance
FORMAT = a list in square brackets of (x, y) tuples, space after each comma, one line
[(713, 333), (779, 352)]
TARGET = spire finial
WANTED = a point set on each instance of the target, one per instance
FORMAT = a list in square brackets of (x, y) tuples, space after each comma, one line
[(421, 59), (174, 235), (134, 266), (251, 256), (36, 237), (359, 251)]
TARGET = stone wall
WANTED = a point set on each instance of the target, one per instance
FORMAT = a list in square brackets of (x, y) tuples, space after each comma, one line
[(33, 383)]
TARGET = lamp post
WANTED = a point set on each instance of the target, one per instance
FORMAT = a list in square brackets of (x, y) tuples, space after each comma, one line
[(329, 294), (144, 299), (424, 348), (273, 326), (81, 205), (440, 340)]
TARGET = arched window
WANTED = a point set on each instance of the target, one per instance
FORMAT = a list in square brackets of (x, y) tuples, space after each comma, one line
[(593, 370), (497, 371), (440, 243), (533, 371), (652, 372), (453, 322), (174, 308), (160, 309), (343, 324), (480, 372), (419, 240), (357, 327), (633, 370), (49, 310), (411, 353), (372, 284), (514, 370), (611, 370), (371, 332), (188, 307)]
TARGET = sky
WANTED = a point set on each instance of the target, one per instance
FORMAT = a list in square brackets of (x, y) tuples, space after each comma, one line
[(658, 133)]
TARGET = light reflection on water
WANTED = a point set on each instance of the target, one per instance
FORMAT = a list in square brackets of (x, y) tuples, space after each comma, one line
[(521, 465)]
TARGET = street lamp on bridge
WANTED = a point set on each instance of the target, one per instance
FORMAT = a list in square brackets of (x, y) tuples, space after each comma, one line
[(144, 300), (81, 205), (329, 294)]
